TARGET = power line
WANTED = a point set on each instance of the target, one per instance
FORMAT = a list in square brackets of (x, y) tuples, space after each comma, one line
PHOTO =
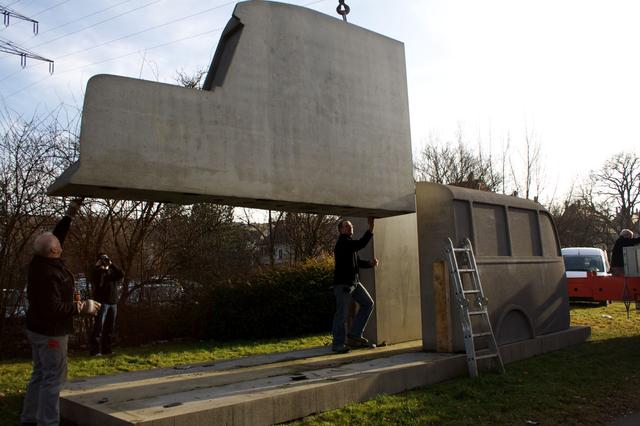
[(146, 49), (51, 7), (126, 36), (155, 27), (81, 18), (9, 47), (87, 27), (85, 16), (8, 13), (117, 57), (97, 23), (139, 50)]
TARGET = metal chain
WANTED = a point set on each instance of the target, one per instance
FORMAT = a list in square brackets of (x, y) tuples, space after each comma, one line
[(343, 9)]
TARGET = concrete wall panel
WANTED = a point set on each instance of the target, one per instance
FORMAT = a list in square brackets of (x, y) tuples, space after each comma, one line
[(305, 113), (395, 283)]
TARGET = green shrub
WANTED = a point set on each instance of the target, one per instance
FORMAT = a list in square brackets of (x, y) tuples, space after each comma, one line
[(284, 302), (277, 303)]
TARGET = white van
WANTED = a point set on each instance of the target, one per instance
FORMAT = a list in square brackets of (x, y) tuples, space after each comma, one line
[(580, 260)]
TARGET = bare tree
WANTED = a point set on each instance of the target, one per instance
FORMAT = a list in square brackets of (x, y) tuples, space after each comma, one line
[(528, 174), (192, 81), (27, 166), (201, 243), (268, 233), (582, 221), (131, 224), (309, 235), (457, 164), (617, 183)]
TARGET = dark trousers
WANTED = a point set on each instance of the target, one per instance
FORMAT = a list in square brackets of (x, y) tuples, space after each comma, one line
[(344, 295), (102, 329)]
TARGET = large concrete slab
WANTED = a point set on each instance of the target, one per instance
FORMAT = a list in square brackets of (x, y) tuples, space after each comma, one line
[(305, 113), (286, 387)]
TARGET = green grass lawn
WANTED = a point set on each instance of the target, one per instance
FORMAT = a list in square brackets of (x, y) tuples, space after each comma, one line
[(587, 384), (14, 374)]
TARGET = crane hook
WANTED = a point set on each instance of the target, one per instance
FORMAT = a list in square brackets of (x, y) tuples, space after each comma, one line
[(343, 9)]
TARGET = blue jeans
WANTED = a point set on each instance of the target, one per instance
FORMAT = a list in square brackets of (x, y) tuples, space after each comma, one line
[(343, 300), (103, 328), (42, 401)]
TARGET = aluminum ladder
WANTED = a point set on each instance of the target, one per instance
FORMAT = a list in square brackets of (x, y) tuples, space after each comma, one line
[(472, 303)]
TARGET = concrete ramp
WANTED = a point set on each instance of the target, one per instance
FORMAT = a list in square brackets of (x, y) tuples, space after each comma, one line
[(301, 112), (274, 388)]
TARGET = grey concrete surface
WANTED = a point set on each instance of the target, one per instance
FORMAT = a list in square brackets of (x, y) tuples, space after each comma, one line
[(518, 257), (305, 113), (261, 394), (395, 283)]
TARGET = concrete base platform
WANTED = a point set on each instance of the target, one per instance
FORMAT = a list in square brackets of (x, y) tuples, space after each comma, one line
[(274, 388)]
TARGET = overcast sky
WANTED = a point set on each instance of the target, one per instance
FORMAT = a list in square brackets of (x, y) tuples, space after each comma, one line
[(566, 71)]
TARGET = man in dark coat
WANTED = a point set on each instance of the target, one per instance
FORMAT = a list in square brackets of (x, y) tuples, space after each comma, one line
[(52, 305), (347, 287), (104, 278), (617, 259)]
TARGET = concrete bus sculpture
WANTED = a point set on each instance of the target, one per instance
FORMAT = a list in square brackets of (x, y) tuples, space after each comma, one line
[(518, 256), (304, 112)]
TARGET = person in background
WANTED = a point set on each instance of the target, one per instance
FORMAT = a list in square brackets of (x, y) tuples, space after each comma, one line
[(52, 305), (104, 278), (617, 259)]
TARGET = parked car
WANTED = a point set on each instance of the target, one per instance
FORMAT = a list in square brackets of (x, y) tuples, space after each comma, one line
[(15, 302), (159, 290), (578, 261)]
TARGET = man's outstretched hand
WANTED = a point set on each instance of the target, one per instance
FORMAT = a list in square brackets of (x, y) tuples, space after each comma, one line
[(74, 207)]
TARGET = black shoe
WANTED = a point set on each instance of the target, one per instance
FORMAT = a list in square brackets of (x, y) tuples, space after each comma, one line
[(357, 341), (340, 349)]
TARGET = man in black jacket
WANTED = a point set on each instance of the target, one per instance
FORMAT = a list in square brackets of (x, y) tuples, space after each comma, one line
[(617, 259), (50, 291), (347, 287), (104, 278)]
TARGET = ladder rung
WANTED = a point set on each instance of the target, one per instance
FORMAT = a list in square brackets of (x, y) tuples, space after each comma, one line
[(461, 249), (478, 312), (487, 333), (466, 270), (470, 291), (486, 356)]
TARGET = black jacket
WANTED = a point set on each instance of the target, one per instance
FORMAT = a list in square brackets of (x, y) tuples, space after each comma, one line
[(347, 261), (103, 283), (617, 258), (50, 289)]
